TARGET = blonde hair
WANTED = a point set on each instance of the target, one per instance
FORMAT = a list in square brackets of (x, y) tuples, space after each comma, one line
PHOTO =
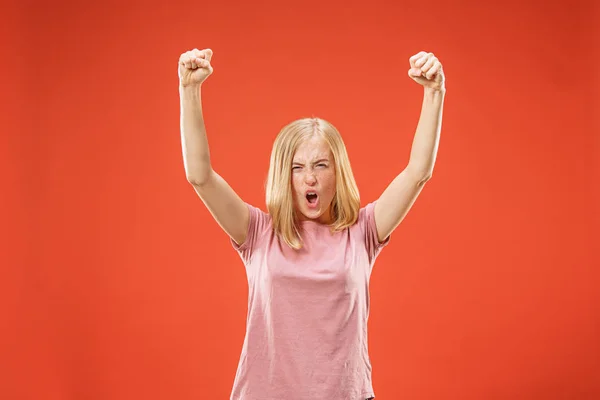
[(279, 197)]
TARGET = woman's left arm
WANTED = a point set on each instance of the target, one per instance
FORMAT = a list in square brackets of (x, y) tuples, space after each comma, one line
[(398, 198)]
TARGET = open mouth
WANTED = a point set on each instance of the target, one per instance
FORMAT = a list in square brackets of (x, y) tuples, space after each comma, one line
[(312, 198)]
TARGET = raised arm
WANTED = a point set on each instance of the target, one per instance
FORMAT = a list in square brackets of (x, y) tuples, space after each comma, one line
[(227, 208), (398, 198)]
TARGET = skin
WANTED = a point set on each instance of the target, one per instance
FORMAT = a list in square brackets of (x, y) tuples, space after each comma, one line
[(229, 209), (313, 168)]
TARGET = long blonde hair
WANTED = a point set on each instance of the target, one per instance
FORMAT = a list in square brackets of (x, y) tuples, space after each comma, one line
[(280, 204)]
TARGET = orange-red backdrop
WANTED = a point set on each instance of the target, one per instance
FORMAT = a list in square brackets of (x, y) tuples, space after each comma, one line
[(117, 284)]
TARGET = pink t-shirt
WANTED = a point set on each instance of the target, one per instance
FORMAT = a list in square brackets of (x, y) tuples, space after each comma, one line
[(306, 329)]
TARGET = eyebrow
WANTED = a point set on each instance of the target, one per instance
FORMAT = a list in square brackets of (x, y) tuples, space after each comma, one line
[(315, 162)]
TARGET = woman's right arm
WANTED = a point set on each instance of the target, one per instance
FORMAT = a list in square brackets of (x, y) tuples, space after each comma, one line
[(227, 208)]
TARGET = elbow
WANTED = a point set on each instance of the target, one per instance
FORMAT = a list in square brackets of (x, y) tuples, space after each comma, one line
[(425, 178), (198, 170), (421, 175), (198, 179), (194, 181), (422, 181)]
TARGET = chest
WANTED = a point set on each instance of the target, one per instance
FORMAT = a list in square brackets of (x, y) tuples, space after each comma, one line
[(327, 264)]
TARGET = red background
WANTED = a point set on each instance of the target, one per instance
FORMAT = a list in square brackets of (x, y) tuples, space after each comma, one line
[(116, 282)]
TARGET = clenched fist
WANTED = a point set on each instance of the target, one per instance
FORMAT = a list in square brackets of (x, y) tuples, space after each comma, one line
[(426, 70), (194, 67)]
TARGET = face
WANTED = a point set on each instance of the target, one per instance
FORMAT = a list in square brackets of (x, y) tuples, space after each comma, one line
[(313, 180)]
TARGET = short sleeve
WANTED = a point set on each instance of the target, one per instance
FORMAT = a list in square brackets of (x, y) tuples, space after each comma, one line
[(367, 219), (258, 224)]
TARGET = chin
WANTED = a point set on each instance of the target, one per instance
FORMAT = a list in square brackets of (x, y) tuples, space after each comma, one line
[(313, 215)]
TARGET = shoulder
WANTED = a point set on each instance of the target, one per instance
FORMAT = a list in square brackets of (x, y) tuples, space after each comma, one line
[(260, 220), (368, 229), (258, 212), (366, 214), (259, 223)]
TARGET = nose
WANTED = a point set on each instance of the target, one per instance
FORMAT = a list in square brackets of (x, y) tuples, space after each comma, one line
[(310, 178)]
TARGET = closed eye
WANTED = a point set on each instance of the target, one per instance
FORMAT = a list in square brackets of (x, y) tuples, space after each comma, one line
[(318, 165)]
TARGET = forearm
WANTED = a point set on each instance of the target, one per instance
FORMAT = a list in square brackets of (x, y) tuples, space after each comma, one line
[(196, 155), (427, 137)]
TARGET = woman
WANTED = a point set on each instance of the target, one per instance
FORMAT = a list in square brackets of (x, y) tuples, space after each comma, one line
[(309, 259)]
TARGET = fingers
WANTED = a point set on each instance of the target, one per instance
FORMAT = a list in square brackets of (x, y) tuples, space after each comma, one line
[(426, 62), (206, 53), (415, 58), (200, 63), (433, 70), (195, 58), (421, 61), (186, 59), (414, 72)]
